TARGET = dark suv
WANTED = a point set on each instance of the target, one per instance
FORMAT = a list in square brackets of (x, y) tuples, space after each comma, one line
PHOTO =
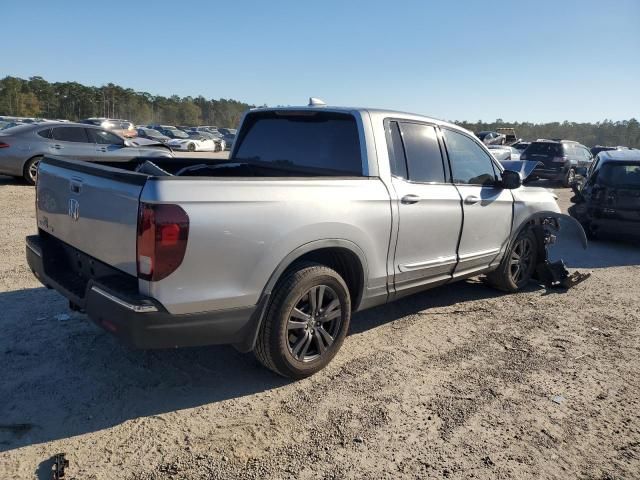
[(559, 159), (609, 200)]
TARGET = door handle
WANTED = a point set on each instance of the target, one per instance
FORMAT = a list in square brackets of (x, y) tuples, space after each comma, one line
[(410, 199), (471, 200), (57, 147)]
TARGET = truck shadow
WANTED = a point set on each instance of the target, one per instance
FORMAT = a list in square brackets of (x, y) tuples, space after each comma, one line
[(64, 376)]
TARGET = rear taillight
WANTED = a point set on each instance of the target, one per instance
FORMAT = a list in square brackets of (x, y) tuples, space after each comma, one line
[(4, 145), (559, 159), (163, 231)]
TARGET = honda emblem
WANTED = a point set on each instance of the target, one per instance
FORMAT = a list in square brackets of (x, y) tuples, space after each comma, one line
[(74, 209)]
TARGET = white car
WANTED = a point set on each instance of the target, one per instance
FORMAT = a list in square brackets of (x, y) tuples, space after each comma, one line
[(194, 144)]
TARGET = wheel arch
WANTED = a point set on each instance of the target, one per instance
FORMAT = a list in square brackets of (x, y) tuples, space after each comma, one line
[(342, 255)]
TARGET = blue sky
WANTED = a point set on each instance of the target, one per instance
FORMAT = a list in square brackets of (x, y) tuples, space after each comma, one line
[(458, 60)]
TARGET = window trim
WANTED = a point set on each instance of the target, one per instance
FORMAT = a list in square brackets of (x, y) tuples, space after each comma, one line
[(497, 168), (445, 163)]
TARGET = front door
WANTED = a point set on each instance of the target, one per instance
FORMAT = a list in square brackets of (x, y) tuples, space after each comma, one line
[(430, 212), (487, 207)]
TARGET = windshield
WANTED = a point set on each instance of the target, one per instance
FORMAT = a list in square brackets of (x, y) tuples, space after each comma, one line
[(321, 143), (179, 134), (620, 175)]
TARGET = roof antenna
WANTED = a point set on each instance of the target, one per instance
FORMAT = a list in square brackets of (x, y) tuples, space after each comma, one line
[(316, 102)]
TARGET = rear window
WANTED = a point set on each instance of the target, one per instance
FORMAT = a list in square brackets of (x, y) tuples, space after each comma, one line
[(544, 148), (620, 175), (321, 143)]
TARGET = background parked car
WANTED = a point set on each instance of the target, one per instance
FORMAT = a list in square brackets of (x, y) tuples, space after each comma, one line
[(173, 132), (152, 134), (500, 152), (602, 148), (509, 134), (22, 147), (124, 128), (492, 138), (517, 148), (609, 200), (559, 159), (217, 139)]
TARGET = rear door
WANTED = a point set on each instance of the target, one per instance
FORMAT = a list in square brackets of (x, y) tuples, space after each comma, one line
[(429, 206), (487, 207), (71, 142)]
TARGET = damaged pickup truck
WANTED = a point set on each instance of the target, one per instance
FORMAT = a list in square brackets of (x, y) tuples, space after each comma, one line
[(318, 213)]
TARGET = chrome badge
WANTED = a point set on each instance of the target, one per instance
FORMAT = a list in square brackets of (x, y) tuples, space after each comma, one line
[(74, 209)]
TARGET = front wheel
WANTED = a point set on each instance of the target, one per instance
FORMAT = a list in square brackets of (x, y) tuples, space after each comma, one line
[(569, 178), (518, 265), (30, 170), (191, 147), (306, 322)]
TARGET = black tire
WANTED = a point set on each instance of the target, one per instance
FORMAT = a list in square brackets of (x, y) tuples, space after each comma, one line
[(191, 147), (292, 340), (511, 276), (30, 170), (569, 178)]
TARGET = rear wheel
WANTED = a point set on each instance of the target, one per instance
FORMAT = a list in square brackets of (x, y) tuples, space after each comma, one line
[(306, 322), (30, 170), (518, 265), (191, 147)]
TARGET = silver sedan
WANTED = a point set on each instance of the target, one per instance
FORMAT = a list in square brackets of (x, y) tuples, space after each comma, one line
[(22, 147)]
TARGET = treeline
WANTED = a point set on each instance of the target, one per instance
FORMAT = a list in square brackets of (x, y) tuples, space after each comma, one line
[(608, 132), (36, 97)]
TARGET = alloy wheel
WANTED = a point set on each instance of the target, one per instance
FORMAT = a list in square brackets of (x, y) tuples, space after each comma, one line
[(314, 323), (521, 259)]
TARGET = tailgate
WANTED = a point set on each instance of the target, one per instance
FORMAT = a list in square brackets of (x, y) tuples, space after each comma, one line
[(91, 207)]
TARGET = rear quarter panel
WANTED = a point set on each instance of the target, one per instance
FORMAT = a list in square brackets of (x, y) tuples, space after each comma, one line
[(242, 229)]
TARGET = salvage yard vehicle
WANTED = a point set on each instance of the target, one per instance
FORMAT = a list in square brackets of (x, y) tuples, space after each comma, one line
[(492, 138), (559, 159), (22, 147), (608, 203), (123, 128), (509, 134), (318, 213), (196, 142)]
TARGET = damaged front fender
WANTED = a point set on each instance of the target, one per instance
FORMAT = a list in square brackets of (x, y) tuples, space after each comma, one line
[(545, 225)]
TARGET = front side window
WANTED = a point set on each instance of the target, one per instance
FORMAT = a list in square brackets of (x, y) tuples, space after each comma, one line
[(69, 134), (470, 164), (305, 142), (102, 137), (424, 159)]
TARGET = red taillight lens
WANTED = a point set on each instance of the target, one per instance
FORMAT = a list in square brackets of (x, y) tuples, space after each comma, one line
[(163, 231), (4, 145)]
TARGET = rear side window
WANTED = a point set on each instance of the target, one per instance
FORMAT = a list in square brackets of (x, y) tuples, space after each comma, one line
[(424, 159), (311, 143), (470, 164), (69, 134), (396, 151), (45, 133)]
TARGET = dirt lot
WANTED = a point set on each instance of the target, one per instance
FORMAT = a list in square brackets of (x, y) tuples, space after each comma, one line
[(458, 382)]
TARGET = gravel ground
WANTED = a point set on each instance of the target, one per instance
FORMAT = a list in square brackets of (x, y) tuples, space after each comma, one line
[(457, 382)]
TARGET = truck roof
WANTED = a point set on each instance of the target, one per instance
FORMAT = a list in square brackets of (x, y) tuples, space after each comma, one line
[(373, 112)]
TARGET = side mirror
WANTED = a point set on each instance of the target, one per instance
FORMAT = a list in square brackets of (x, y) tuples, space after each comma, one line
[(127, 143), (511, 180)]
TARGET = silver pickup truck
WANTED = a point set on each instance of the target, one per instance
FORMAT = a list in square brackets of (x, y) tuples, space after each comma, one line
[(319, 212)]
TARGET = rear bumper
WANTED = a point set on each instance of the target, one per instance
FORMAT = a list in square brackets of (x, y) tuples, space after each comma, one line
[(619, 228), (549, 174), (142, 322)]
